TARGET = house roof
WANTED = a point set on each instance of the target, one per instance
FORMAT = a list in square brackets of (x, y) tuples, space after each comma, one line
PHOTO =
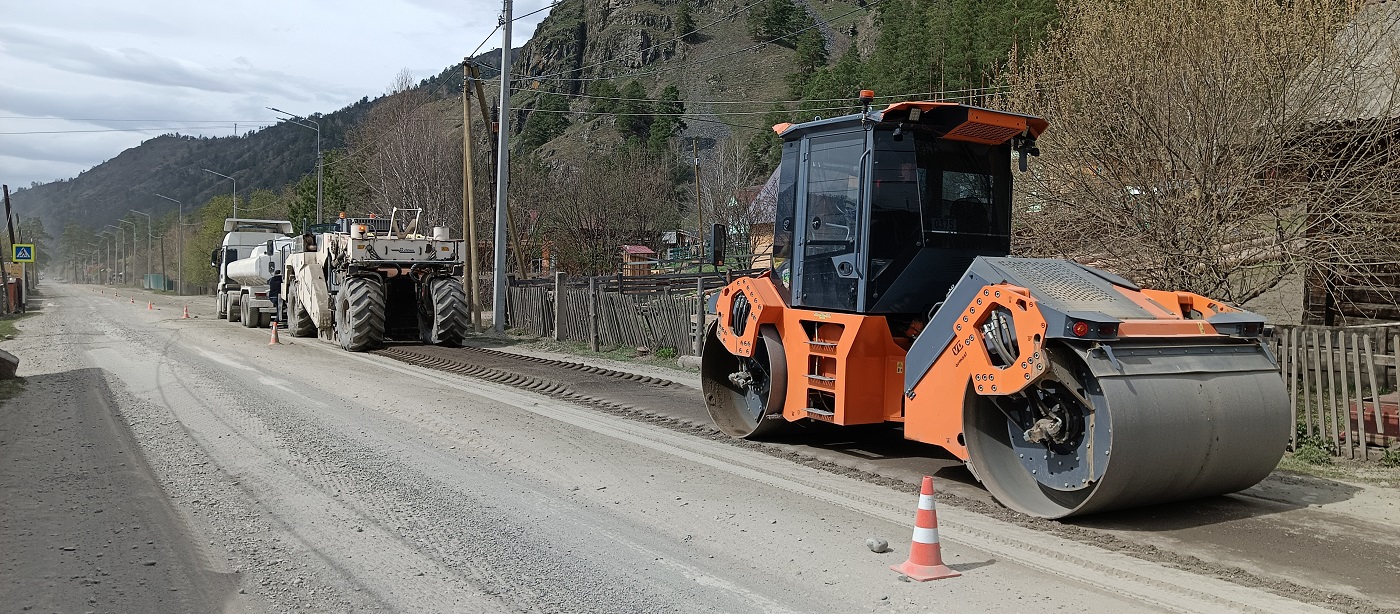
[(1368, 86), (638, 249)]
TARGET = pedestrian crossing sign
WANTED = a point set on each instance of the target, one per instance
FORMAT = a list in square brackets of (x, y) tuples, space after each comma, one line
[(24, 252)]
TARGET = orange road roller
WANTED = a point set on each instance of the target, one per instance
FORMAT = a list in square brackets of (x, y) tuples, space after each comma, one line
[(891, 299)]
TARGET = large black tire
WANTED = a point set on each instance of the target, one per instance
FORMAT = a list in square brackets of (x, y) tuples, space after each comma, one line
[(442, 313), (359, 314), (232, 306), (301, 324), (221, 306)]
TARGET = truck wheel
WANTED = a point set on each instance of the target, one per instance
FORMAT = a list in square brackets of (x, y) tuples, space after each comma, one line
[(220, 307), (442, 314), (359, 314), (233, 306), (301, 324), (248, 315)]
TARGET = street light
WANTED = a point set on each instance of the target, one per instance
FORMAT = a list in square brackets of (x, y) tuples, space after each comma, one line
[(107, 250), (179, 245), (315, 125), (117, 248), (149, 235), (132, 253), (235, 189)]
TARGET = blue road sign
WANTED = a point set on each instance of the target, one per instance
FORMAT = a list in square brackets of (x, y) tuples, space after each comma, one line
[(24, 252)]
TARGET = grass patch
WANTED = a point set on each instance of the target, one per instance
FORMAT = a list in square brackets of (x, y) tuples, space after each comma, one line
[(661, 357), (7, 324)]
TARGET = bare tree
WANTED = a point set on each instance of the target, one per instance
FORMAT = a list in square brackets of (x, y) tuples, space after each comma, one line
[(722, 182), (407, 154), (1215, 147), (595, 208)]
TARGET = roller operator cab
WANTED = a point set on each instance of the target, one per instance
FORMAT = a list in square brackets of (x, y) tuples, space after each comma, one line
[(892, 299)]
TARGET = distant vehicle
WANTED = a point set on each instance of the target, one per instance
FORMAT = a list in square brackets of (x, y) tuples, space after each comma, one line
[(244, 301)]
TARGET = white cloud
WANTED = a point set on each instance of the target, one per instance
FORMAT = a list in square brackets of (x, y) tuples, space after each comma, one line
[(175, 63)]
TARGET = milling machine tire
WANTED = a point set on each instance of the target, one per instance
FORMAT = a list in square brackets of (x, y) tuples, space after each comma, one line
[(752, 406), (359, 314), (1168, 422), (301, 324), (442, 313)]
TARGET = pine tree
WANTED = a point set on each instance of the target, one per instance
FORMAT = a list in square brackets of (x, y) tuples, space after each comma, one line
[(685, 23), (633, 111), (603, 97), (548, 120), (668, 122)]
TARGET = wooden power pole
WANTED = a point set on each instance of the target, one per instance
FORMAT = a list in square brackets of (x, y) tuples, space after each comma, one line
[(473, 276)]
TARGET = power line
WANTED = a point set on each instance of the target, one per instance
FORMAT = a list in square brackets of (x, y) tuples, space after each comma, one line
[(945, 94), (165, 129), (498, 28), (167, 121)]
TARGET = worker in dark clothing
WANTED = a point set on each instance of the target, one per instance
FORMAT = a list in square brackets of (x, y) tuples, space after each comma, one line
[(274, 294)]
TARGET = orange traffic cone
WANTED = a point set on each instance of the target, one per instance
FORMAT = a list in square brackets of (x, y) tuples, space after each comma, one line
[(150, 306), (187, 313), (275, 340), (925, 556)]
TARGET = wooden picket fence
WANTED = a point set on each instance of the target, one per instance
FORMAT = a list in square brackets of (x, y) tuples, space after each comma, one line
[(1342, 385)]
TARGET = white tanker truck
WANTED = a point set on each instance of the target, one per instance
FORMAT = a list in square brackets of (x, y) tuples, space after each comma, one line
[(245, 262)]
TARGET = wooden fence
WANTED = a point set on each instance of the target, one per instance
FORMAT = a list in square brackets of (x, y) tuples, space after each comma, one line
[(654, 312), (1342, 384)]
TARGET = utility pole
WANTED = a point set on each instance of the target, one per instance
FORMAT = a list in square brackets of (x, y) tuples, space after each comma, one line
[(5, 274), (473, 276), (498, 297), (699, 213)]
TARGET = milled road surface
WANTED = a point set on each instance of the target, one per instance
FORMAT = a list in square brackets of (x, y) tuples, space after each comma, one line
[(302, 478)]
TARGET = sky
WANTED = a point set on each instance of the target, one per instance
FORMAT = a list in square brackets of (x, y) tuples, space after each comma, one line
[(84, 81)]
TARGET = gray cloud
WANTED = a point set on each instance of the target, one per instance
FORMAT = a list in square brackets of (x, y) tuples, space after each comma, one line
[(142, 67)]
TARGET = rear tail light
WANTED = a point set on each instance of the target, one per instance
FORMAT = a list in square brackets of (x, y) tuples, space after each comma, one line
[(1080, 329)]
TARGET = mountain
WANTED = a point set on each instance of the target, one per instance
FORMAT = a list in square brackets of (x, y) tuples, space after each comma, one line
[(745, 66), (171, 164)]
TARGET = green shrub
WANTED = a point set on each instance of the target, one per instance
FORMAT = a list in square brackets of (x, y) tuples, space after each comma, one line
[(1391, 458), (667, 353), (1312, 455)]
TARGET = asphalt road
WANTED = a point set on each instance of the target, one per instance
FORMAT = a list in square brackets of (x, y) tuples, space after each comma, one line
[(302, 478)]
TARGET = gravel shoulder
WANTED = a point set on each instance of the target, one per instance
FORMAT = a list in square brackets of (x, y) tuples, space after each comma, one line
[(84, 523)]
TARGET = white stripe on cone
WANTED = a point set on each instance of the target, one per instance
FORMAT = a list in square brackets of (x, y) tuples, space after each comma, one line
[(925, 536), (925, 502)]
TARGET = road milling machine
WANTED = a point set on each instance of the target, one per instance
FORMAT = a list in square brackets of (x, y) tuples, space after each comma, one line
[(363, 281), (1065, 389)]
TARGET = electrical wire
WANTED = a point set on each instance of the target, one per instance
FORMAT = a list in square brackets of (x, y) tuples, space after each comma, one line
[(498, 27)]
